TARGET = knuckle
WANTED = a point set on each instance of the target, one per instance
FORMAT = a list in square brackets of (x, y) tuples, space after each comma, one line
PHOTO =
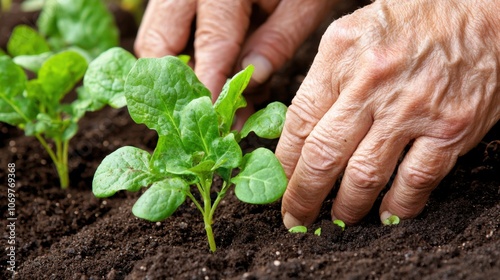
[(339, 34), (364, 176), (320, 153), (379, 63), (420, 178)]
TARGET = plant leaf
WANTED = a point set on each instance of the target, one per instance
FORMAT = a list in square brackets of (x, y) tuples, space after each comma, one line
[(160, 200), (60, 73), (266, 123), (25, 40), (32, 62), (170, 156), (227, 152), (261, 179), (199, 126), (15, 109), (158, 89), (105, 78), (125, 169), (84, 23), (231, 98), (298, 229)]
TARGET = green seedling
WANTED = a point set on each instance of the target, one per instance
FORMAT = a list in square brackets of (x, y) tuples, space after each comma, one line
[(71, 34), (339, 223), (36, 105), (195, 144), (298, 229), (391, 221), (303, 229), (83, 26)]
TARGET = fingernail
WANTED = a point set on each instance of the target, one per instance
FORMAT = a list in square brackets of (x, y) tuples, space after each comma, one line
[(290, 221), (389, 219), (263, 68)]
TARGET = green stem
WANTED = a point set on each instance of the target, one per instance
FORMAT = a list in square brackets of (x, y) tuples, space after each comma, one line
[(220, 196), (207, 203), (62, 162)]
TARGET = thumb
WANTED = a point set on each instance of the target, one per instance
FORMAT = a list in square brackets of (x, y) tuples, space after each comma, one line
[(276, 41)]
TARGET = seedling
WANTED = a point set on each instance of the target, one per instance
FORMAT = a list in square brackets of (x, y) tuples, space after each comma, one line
[(303, 229), (339, 223), (195, 144), (71, 34), (36, 107), (298, 229), (391, 221)]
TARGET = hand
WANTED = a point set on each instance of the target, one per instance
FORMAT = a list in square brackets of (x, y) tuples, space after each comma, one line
[(221, 43), (396, 73)]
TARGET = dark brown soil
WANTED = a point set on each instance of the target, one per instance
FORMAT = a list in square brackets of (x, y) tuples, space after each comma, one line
[(70, 234)]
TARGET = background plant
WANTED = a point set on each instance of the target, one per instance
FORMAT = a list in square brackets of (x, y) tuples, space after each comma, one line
[(195, 144), (71, 34)]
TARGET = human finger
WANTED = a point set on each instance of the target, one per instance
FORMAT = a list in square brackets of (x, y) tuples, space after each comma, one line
[(368, 171), (423, 167), (165, 28), (324, 156), (275, 42), (221, 28)]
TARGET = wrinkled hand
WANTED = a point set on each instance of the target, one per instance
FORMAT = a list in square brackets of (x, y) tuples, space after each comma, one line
[(396, 73), (221, 43)]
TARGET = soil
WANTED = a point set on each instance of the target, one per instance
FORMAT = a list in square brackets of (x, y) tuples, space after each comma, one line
[(70, 234)]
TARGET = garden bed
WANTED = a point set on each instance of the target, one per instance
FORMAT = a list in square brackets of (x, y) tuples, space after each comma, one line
[(70, 234)]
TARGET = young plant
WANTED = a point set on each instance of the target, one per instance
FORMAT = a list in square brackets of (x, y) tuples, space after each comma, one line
[(303, 229), (77, 31), (36, 105), (195, 144), (391, 220)]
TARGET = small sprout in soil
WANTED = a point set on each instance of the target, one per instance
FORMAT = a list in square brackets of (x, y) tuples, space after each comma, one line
[(195, 144), (298, 229), (58, 55), (317, 232), (339, 223), (391, 221)]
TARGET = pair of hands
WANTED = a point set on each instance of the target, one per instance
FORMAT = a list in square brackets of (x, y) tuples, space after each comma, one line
[(421, 74)]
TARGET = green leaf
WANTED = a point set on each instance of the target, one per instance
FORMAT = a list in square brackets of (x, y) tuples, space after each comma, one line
[(32, 62), (157, 90), (227, 152), (298, 229), (231, 98), (60, 73), (104, 80), (15, 109), (84, 23), (2, 53), (339, 223), (25, 40), (161, 200), (169, 156), (125, 169), (317, 232), (266, 123), (199, 127), (391, 220), (203, 167), (12, 78), (261, 179)]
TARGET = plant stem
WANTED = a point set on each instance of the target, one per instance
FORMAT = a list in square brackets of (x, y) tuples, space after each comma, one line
[(60, 158), (207, 219)]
